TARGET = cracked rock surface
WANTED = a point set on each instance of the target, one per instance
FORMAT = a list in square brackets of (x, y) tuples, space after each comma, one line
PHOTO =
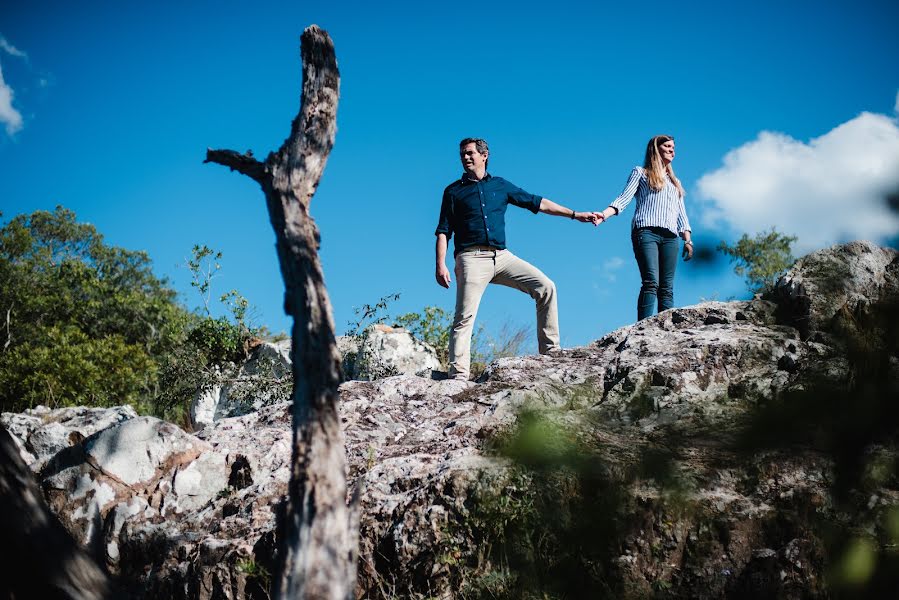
[(183, 515)]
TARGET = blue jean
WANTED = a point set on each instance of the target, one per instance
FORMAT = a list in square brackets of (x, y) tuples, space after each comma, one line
[(656, 251)]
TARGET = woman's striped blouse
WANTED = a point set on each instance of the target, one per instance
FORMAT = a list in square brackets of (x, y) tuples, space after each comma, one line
[(663, 208)]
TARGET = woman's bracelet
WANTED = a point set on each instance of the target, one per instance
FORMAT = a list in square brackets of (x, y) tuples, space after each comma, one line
[(688, 243)]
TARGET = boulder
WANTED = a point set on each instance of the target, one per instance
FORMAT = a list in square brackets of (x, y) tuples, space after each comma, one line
[(145, 492), (831, 287), (348, 346), (385, 351), (205, 406), (134, 464), (266, 377), (41, 433)]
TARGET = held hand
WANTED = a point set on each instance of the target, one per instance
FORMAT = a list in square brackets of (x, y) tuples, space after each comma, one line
[(688, 251), (593, 217), (442, 275), (586, 217)]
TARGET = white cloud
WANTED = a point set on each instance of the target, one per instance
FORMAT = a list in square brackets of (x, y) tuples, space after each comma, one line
[(610, 267), (613, 264), (9, 116), (828, 190), (10, 49)]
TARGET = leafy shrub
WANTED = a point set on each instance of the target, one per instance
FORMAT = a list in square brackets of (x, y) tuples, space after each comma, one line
[(554, 522), (212, 348), (432, 326), (761, 259), (85, 323), (66, 367), (218, 340)]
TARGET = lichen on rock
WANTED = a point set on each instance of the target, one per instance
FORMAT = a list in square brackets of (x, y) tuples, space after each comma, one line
[(628, 457)]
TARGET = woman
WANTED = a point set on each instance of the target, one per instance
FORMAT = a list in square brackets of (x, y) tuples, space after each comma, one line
[(660, 217)]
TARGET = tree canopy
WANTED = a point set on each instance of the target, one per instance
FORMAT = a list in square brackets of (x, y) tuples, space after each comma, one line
[(761, 259), (87, 323)]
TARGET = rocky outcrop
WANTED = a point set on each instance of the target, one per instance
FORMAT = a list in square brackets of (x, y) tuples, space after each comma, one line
[(193, 516), (383, 351), (837, 284), (41, 433), (265, 379), (141, 467)]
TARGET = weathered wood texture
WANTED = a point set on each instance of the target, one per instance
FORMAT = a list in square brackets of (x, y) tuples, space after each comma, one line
[(42, 560), (319, 548)]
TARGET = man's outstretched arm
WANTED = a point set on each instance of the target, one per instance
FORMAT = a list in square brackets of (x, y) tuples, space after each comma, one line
[(442, 273), (551, 208)]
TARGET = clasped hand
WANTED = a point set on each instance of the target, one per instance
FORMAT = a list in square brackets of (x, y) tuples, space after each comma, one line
[(589, 217)]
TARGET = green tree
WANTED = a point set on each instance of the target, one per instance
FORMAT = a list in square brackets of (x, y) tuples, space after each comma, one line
[(761, 259), (85, 323)]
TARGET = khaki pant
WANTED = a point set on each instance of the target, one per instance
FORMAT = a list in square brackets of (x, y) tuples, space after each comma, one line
[(475, 268)]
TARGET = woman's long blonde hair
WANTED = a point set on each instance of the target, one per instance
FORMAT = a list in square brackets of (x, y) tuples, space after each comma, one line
[(655, 169)]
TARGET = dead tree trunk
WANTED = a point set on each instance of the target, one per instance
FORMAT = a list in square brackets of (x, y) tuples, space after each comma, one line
[(318, 551), (42, 560)]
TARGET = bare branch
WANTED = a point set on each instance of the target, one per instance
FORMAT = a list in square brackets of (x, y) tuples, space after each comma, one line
[(242, 163), (8, 334)]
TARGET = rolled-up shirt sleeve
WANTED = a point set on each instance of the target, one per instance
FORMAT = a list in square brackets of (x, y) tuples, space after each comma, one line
[(630, 189), (683, 223), (445, 223), (523, 199)]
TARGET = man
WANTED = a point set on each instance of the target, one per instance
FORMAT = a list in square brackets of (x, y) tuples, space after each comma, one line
[(474, 208)]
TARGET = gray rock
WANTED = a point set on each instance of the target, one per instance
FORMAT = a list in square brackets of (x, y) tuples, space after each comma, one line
[(181, 515), (266, 377), (134, 451), (42, 432), (385, 351), (348, 346), (835, 285), (133, 462), (204, 406)]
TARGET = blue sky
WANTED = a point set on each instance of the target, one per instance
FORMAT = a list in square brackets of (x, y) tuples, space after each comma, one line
[(784, 113)]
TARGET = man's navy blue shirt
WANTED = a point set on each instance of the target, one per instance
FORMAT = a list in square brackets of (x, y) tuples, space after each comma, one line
[(476, 210)]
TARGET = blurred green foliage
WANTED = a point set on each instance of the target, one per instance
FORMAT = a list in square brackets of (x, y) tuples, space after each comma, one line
[(564, 520), (555, 526), (855, 424)]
